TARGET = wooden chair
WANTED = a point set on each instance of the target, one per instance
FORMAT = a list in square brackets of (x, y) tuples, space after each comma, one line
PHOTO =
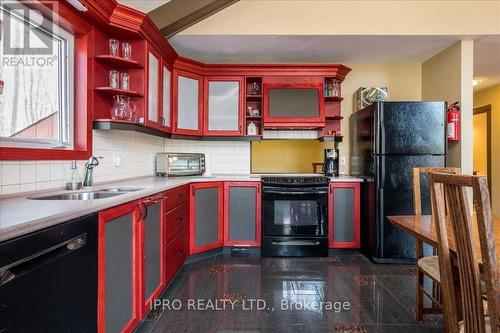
[(429, 265), (450, 190)]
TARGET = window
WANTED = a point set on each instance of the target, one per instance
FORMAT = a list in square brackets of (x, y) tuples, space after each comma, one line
[(37, 60)]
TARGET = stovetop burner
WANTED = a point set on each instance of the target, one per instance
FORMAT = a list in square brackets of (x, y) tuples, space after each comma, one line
[(295, 180)]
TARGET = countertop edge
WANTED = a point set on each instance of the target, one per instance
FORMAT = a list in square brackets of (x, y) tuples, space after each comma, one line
[(26, 227)]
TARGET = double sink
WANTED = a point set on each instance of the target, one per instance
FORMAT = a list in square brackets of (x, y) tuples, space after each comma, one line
[(89, 195)]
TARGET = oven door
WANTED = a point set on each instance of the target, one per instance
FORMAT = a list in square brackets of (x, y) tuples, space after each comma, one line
[(294, 211)]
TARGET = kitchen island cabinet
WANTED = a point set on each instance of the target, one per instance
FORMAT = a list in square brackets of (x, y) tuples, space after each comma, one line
[(344, 215)]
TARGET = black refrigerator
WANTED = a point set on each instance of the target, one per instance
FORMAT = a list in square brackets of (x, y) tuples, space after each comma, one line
[(389, 139)]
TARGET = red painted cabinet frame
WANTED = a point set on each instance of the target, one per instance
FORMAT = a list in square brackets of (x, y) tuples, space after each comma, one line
[(193, 249), (104, 217), (318, 121), (175, 103), (241, 105), (356, 214), (154, 123), (258, 202), (147, 299), (165, 64)]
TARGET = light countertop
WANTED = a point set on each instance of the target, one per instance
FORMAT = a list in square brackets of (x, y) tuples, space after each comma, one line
[(20, 215)]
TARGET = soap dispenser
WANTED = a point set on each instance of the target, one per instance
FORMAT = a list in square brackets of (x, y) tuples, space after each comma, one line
[(74, 181)]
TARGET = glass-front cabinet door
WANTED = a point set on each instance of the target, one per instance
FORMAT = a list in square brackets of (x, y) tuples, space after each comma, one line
[(224, 109), (188, 101), (153, 114), (166, 96)]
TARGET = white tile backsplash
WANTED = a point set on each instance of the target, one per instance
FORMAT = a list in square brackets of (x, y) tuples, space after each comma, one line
[(136, 152), (222, 157), (291, 134)]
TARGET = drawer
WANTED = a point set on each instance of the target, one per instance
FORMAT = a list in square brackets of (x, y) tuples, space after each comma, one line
[(177, 196), (176, 220), (176, 253)]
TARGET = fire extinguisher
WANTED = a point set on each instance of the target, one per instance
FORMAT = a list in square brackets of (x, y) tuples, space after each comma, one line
[(453, 127)]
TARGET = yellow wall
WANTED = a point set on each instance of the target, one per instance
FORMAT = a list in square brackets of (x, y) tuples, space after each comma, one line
[(404, 82), (484, 97), (448, 76), (349, 17), (481, 144), (287, 156)]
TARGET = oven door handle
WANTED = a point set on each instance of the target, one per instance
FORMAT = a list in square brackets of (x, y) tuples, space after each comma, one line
[(295, 192), (296, 242)]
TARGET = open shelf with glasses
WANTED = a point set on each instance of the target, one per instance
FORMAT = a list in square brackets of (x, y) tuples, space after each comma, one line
[(105, 62)]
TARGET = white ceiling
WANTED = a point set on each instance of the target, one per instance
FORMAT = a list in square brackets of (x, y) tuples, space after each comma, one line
[(338, 49), (487, 61), (144, 6), (309, 49)]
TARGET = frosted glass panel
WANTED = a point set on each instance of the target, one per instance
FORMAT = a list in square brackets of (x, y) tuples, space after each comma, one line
[(223, 100), (166, 96), (153, 88), (187, 103)]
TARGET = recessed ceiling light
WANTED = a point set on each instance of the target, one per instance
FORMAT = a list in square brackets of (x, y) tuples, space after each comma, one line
[(78, 5), (475, 82)]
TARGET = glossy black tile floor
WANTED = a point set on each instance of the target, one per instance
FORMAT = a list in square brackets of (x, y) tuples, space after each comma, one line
[(224, 293)]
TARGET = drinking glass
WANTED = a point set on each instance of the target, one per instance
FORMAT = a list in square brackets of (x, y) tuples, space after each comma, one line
[(126, 50), (114, 46), (124, 81), (114, 79)]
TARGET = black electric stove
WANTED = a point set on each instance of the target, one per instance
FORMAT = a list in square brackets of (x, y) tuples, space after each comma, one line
[(295, 216)]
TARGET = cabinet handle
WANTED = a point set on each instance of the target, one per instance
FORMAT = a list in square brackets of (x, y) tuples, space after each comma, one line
[(140, 211), (145, 212)]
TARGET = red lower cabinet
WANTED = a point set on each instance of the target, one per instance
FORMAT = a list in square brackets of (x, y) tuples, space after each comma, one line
[(242, 205), (344, 216), (152, 249), (176, 231), (131, 265), (206, 216), (118, 298), (177, 252)]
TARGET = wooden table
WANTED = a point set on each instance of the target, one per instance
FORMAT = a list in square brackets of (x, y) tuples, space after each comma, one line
[(423, 228)]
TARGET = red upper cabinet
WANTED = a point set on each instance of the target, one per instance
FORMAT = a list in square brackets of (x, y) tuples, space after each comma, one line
[(153, 114), (187, 103), (224, 105), (166, 95), (293, 104)]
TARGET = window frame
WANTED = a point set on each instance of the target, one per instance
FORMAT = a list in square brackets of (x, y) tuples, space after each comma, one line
[(79, 102), (66, 89)]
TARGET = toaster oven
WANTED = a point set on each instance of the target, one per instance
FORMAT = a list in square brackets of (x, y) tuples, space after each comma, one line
[(180, 164)]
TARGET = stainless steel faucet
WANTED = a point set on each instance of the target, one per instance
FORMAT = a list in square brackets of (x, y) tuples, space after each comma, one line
[(89, 167)]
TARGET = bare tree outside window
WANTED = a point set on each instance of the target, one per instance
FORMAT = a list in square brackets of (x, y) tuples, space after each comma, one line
[(36, 66)]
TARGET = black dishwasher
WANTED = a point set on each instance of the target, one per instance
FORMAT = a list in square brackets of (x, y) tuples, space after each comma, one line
[(48, 279)]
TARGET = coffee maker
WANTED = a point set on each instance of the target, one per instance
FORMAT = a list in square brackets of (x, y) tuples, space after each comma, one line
[(331, 163)]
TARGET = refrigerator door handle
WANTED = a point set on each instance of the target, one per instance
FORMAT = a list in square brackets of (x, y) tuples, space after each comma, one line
[(382, 171)]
